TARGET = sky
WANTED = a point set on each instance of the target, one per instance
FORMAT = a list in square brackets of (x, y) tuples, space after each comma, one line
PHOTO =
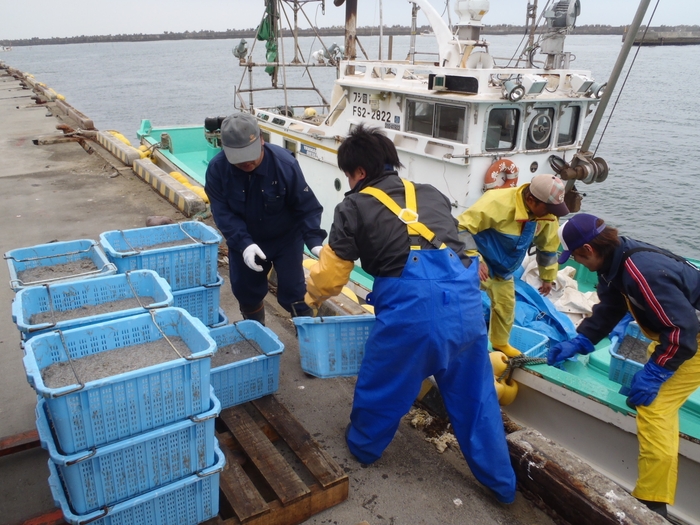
[(46, 19)]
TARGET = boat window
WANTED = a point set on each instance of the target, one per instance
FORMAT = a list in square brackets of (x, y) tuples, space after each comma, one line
[(265, 136), (450, 122), (539, 130), (420, 117), (502, 129), (568, 124), (291, 146), (441, 121)]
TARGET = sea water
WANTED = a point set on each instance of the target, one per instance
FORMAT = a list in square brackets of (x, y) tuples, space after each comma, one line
[(650, 143)]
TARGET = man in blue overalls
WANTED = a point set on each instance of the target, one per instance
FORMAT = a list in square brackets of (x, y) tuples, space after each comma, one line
[(266, 212), (428, 306)]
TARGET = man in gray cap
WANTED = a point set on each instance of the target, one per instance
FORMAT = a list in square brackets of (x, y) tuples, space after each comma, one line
[(264, 208)]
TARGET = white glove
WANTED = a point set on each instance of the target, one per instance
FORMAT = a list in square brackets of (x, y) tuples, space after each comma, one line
[(316, 250), (249, 257)]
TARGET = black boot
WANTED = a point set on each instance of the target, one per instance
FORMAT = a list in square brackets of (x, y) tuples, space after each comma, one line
[(254, 312), (657, 506)]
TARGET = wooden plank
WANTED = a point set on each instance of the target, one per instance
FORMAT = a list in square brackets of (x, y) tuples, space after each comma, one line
[(320, 464), (319, 499), (18, 442), (277, 472), (239, 489)]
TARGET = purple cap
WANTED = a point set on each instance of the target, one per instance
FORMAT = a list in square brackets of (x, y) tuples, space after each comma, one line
[(577, 231)]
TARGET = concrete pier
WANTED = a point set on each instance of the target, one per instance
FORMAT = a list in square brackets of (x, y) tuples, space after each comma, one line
[(58, 190)]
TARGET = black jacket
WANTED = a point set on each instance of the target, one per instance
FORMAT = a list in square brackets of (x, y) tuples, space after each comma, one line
[(385, 243)]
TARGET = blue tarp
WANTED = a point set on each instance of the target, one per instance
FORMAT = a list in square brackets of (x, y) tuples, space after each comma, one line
[(536, 312)]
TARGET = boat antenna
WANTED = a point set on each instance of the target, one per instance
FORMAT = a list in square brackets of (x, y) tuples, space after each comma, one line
[(624, 82), (381, 28)]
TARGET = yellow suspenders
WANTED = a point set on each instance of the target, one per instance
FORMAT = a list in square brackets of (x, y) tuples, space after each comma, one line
[(407, 215)]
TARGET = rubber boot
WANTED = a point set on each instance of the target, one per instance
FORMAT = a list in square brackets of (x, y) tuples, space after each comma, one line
[(657, 506), (510, 351), (254, 312)]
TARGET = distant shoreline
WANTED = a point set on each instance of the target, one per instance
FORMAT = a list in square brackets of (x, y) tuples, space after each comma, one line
[(326, 31)]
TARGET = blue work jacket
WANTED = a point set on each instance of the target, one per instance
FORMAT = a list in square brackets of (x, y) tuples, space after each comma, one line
[(663, 295), (264, 205)]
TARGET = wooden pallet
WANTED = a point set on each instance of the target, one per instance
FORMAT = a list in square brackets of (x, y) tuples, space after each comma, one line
[(276, 473)]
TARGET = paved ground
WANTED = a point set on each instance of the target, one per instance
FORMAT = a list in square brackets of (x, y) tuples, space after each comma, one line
[(60, 192)]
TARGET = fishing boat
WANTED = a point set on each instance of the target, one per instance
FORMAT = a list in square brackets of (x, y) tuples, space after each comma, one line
[(466, 122)]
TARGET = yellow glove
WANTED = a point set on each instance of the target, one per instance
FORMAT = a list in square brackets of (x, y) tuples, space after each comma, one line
[(327, 277)]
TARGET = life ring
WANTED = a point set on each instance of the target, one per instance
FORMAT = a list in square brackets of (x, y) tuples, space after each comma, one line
[(506, 167)]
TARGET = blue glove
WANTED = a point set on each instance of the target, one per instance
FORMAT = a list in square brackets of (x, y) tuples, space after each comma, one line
[(646, 383), (562, 351)]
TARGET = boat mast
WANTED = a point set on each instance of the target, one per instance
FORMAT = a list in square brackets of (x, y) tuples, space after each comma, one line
[(531, 20), (350, 30)]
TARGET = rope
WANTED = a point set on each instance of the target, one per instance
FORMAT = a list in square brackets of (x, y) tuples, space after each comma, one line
[(622, 87), (519, 362)]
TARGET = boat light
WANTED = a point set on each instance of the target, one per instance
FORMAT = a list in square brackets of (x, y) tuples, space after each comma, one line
[(580, 84), (513, 91), (534, 84), (596, 90)]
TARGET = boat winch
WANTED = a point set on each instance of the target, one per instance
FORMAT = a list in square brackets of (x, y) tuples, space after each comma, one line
[(583, 167)]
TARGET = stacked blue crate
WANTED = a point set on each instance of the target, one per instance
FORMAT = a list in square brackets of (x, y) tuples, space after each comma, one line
[(133, 442), (184, 254)]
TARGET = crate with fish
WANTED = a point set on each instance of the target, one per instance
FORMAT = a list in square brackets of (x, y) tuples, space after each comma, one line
[(333, 346), (37, 309), (57, 262), (185, 254), (188, 501), (124, 469), (627, 356), (246, 364), (201, 302), (112, 380)]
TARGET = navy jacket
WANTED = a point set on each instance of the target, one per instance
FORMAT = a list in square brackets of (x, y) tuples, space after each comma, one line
[(264, 205), (664, 296)]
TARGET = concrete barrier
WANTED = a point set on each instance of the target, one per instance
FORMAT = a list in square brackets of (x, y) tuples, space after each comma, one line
[(179, 195), (70, 111), (127, 154)]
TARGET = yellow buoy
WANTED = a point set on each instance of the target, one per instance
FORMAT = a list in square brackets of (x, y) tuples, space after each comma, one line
[(179, 177), (369, 308), (60, 97), (200, 193), (308, 263), (499, 362), (143, 147), (350, 294), (510, 390)]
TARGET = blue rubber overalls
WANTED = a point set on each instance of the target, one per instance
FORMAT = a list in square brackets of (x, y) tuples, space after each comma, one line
[(429, 322)]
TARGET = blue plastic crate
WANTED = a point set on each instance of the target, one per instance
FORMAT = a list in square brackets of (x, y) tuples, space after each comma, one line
[(188, 501), (55, 254), (223, 320), (76, 295), (123, 405), (529, 342), (250, 378), (333, 346), (185, 266), (122, 470), (201, 302), (621, 369)]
